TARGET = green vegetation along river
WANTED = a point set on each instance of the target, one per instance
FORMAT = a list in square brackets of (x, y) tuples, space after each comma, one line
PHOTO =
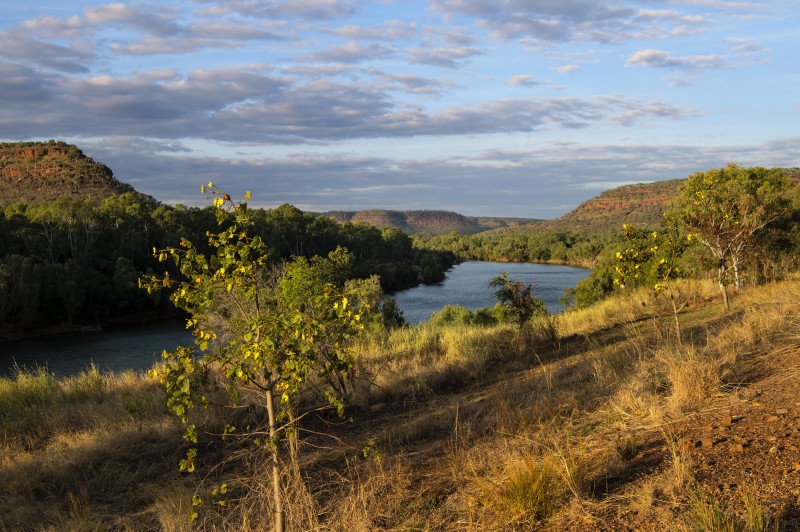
[(138, 346), (467, 285)]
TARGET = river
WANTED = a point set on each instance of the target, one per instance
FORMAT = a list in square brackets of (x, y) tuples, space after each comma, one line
[(134, 347), (467, 285), (137, 347)]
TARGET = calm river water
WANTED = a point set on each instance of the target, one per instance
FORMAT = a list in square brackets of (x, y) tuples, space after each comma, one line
[(137, 347), (467, 284), (134, 347)]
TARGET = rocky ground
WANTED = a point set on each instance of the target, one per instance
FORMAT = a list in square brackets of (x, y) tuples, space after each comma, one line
[(745, 441), (750, 441)]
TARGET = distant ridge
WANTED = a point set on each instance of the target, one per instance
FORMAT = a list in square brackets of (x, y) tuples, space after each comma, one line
[(641, 204), (427, 222), (38, 172)]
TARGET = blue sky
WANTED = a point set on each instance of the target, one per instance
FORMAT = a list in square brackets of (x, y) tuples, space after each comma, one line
[(491, 108)]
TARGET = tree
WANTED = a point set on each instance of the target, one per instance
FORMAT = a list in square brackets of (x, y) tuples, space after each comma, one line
[(650, 258), (518, 296), (725, 208), (269, 346)]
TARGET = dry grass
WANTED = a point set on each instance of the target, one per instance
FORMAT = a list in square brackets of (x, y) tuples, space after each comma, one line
[(79, 453), (567, 423)]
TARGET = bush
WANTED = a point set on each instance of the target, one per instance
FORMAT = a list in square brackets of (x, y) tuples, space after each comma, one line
[(452, 315)]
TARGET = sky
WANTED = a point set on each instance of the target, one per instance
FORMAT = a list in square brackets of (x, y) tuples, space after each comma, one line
[(520, 108)]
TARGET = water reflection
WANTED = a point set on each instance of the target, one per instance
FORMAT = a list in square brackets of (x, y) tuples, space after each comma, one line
[(134, 347), (467, 284)]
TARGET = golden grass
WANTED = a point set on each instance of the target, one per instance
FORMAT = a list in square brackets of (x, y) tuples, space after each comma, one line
[(562, 424)]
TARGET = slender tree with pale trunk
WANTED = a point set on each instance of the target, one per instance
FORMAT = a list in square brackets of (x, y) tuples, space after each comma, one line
[(264, 345), (725, 208)]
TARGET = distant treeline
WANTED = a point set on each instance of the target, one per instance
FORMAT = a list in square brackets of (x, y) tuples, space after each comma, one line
[(76, 262), (522, 245)]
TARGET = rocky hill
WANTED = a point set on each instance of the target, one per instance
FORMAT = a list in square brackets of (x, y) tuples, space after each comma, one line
[(38, 172), (641, 204), (427, 222)]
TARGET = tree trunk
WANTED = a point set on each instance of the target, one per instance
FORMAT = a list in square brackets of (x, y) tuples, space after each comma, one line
[(675, 311), (736, 275), (280, 521), (723, 287), (724, 295)]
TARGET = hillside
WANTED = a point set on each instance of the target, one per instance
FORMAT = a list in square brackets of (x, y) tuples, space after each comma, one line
[(426, 222), (641, 204), (38, 172), (600, 422)]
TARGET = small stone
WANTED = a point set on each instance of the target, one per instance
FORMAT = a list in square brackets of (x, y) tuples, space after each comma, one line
[(781, 412), (707, 442), (727, 421), (774, 449), (737, 447), (773, 438), (796, 466), (773, 418)]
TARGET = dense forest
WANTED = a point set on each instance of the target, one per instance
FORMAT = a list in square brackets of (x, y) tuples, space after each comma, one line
[(77, 262)]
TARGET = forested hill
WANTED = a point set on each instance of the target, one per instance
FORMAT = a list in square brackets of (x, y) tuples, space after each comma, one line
[(426, 222), (39, 172)]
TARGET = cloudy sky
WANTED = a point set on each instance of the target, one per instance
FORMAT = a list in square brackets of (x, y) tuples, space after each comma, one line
[(484, 107)]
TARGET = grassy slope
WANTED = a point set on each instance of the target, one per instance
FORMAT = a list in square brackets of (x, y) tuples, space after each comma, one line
[(572, 423)]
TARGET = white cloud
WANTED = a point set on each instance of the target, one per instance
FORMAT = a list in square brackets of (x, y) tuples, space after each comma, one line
[(442, 57), (351, 52), (662, 59), (390, 30), (522, 80)]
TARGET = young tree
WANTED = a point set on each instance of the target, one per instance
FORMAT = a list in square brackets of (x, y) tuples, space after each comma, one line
[(651, 259), (263, 342), (518, 296), (725, 208)]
